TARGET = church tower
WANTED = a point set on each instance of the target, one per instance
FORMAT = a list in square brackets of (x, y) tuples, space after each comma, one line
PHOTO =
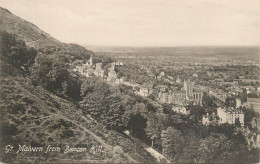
[(91, 60), (188, 87)]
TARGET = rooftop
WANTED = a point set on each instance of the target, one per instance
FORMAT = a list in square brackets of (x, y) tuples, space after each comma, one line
[(232, 110), (255, 100)]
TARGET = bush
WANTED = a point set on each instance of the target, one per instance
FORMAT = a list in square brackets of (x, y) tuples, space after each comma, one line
[(15, 52), (51, 71)]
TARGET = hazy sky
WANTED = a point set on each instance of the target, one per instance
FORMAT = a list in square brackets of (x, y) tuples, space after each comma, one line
[(144, 22)]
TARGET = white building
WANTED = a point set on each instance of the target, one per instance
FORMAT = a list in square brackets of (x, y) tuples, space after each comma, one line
[(209, 119), (99, 72), (206, 120), (143, 92), (180, 109), (112, 76), (195, 75), (230, 115), (118, 63), (162, 74), (178, 80), (89, 63), (238, 103)]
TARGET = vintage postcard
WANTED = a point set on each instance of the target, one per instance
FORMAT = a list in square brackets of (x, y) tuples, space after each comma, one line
[(129, 81)]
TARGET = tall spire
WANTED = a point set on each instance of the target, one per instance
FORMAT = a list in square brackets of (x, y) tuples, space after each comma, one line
[(91, 60)]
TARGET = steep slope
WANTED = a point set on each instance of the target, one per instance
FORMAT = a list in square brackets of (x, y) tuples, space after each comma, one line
[(26, 31), (32, 116), (39, 118), (35, 37)]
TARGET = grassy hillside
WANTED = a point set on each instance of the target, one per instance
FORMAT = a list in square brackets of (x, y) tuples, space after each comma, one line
[(34, 115)]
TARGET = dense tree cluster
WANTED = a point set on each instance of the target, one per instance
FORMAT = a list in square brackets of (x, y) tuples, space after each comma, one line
[(51, 71), (15, 52), (133, 73), (230, 102), (47, 67), (178, 137)]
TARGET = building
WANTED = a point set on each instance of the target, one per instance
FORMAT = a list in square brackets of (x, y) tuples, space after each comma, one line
[(188, 87), (178, 80), (209, 119), (89, 72), (99, 72), (143, 92), (180, 109), (193, 94), (162, 74), (197, 95), (253, 103), (172, 97), (230, 115), (187, 93), (238, 103), (118, 63), (86, 69), (195, 75), (112, 76), (218, 94), (89, 63)]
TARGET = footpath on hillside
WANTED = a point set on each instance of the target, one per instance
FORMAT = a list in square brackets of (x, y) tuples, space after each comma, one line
[(154, 153)]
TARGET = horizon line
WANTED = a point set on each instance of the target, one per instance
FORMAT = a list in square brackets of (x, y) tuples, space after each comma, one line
[(195, 46)]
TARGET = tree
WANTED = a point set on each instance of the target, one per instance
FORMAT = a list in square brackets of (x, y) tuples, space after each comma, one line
[(167, 109), (112, 112), (88, 86), (137, 125), (230, 102), (16, 52), (172, 143), (216, 148), (104, 103), (243, 96), (249, 115), (150, 107), (227, 129), (207, 101), (152, 97), (237, 123), (154, 128), (197, 111), (253, 95), (190, 148), (51, 71)]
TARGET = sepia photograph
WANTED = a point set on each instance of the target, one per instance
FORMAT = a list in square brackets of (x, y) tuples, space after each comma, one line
[(129, 81)]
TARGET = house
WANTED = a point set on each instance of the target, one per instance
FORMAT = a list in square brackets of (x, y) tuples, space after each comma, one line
[(162, 74), (209, 119), (99, 72), (238, 103), (143, 92), (218, 94), (178, 80), (118, 63), (112, 75), (230, 115), (195, 75), (180, 109), (253, 103)]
